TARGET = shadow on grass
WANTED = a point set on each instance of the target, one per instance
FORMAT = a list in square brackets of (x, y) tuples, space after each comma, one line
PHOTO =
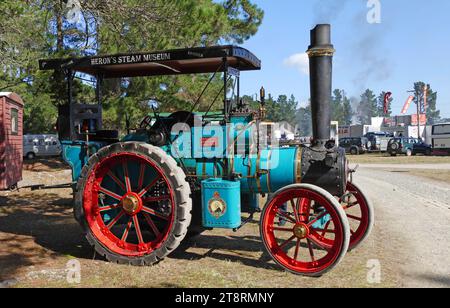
[(45, 164), (230, 248), (48, 220)]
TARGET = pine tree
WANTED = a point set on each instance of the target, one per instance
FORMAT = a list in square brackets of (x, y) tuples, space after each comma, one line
[(347, 112), (367, 107), (337, 106), (38, 29), (304, 120), (341, 108), (433, 114)]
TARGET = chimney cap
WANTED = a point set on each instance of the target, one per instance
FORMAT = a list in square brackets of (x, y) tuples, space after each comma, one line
[(321, 37)]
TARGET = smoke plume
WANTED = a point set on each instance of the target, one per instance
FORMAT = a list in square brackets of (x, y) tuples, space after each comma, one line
[(326, 11), (364, 45), (368, 56)]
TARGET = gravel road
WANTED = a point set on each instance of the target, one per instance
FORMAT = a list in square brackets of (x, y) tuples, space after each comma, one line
[(414, 216), (407, 166)]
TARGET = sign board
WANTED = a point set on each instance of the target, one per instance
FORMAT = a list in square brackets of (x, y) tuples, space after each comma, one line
[(423, 119)]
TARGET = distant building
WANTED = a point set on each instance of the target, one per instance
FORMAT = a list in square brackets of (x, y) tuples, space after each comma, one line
[(399, 126)]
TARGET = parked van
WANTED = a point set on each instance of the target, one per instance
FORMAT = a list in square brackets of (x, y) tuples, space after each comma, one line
[(41, 145), (378, 140)]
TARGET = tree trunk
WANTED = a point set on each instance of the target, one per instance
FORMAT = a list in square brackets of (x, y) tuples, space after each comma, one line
[(59, 26)]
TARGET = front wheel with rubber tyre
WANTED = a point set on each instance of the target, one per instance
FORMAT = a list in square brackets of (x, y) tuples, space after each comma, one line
[(354, 151), (409, 152), (304, 210), (133, 203)]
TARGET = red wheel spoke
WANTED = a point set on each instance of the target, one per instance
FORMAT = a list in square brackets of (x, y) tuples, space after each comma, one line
[(325, 231), (147, 188), (115, 220), (350, 205), (127, 176), (138, 229), (155, 199), (295, 208), (326, 227), (116, 180), (109, 207), (287, 242), (286, 216), (141, 177), (127, 230), (317, 219), (311, 250), (318, 244), (282, 229), (152, 224), (110, 193), (154, 213), (307, 212), (297, 248), (354, 217)]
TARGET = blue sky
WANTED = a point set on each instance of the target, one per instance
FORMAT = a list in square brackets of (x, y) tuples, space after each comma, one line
[(412, 43)]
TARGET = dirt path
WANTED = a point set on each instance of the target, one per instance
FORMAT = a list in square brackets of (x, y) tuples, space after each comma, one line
[(414, 214)]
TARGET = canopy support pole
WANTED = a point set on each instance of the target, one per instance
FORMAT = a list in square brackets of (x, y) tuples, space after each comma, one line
[(99, 96), (69, 75), (225, 79)]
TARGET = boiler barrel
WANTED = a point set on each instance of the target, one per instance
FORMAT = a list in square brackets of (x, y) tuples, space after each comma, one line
[(276, 168), (266, 172)]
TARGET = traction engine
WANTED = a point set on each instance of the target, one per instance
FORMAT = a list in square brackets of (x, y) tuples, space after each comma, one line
[(139, 197)]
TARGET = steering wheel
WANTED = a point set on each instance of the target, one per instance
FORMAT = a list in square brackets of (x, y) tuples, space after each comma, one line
[(146, 122)]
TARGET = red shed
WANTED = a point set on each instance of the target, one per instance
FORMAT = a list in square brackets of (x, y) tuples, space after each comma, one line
[(11, 139)]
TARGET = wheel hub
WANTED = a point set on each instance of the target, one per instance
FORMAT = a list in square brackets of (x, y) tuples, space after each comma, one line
[(301, 231), (131, 204)]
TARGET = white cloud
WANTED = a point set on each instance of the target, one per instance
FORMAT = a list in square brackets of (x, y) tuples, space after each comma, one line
[(299, 61)]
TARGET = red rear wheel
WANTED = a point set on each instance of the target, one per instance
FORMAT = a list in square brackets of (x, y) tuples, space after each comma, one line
[(133, 203), (291, 243)]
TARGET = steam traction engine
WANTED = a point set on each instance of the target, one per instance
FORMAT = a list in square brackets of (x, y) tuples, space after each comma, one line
[(138, 198)]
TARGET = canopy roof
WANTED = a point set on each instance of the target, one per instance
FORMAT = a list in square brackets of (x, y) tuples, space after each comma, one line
[(171, 62)]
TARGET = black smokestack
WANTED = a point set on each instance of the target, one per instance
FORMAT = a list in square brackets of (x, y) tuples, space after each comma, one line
[(320, 54)]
